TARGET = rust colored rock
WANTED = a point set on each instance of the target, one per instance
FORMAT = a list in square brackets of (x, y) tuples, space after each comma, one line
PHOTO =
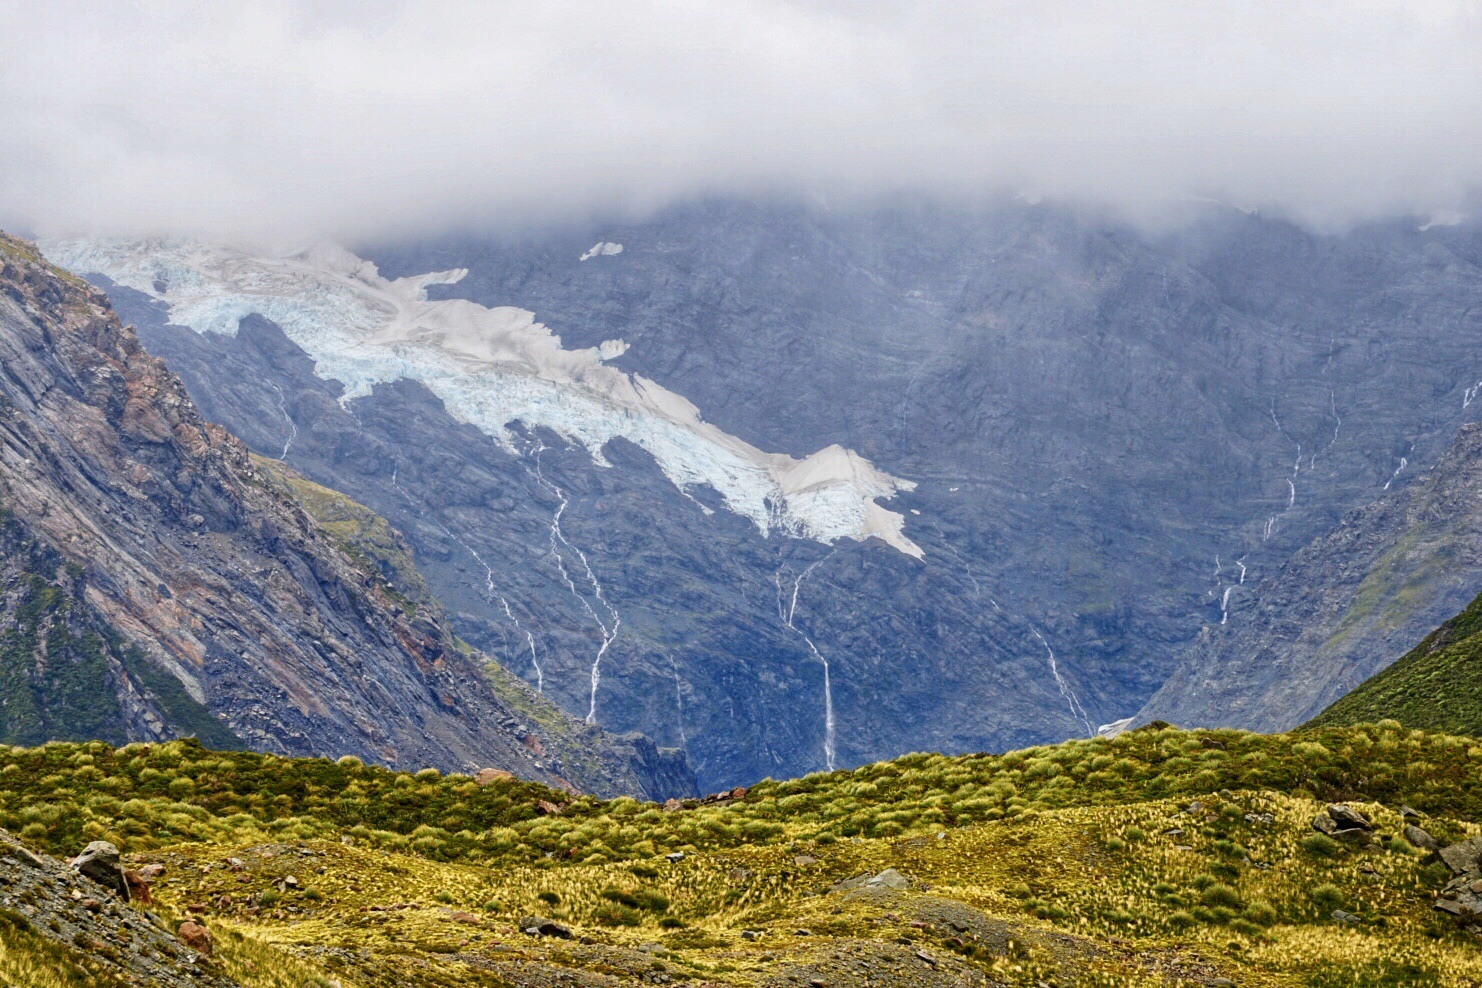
[(195, 936), (739, 792), (547, 808), (151, 871), (485, 776), (138, 887)]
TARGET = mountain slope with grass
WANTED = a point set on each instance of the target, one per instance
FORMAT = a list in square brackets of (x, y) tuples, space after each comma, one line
[(1437, 685), (157, 580), (1160, 857)]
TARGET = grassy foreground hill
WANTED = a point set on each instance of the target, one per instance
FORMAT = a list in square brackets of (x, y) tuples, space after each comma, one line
[(1160, 857), (1437, 685)]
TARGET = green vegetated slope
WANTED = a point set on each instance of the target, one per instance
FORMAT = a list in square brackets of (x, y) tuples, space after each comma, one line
[(1160, 857), (1436, 686)]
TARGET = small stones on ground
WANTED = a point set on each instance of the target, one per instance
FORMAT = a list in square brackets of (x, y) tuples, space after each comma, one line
[(1343, 916), (751, 935), (1262, 818)]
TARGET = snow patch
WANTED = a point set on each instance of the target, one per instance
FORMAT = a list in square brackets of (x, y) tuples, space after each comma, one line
[(601, 249), (492, 367)]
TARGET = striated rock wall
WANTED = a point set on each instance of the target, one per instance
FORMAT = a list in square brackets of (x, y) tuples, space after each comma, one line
[(204, 567)]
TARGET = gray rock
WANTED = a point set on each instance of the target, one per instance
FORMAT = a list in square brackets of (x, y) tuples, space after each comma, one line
[(537, 926), (101, 862), (1346, 917), (1419, 838), (890, 879), (1463, 857)]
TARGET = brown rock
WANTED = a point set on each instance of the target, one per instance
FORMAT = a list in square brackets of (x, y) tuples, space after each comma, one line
[(151, 871), (739, 792), (195, 936), (138, 888), (547, 808), (485, 776)]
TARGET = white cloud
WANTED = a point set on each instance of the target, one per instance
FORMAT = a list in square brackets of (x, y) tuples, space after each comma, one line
[(279, 119)]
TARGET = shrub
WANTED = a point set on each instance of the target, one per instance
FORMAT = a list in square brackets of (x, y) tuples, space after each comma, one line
[(1261, 913), (1181, 920), (1220, 895), (1321, 845), (1328, 897)]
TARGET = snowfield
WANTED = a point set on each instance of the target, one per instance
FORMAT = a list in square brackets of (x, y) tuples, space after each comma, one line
[(492, 367)]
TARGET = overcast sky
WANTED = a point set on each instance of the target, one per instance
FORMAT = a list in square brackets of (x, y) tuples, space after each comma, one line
[(363, 118)]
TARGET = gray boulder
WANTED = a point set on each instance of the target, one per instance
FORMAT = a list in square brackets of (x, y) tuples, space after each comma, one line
[(101, 862), (1419, 838)]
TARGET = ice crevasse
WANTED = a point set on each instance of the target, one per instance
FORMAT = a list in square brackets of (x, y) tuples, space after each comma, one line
[(492, 367)]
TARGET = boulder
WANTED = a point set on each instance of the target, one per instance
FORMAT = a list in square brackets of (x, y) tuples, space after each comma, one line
[(1348, 818), (100, 861), (1464, 857), (150, 872), (195, 936), (138, 888), (485, 776), (889, 879), (537, 926), (1419, 838), (1343, 823)]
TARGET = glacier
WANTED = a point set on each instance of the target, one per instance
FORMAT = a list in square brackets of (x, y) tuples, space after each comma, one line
[(492, 367)]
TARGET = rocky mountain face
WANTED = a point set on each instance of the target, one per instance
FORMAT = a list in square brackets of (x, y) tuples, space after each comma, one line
[(158, 581), (1343, 607), (1437, 685), (1114, 439)]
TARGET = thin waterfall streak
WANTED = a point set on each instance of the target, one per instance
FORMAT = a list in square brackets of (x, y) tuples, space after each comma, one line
[(1076, 710), (530, 639), (292, 426), (830, 728), (491, 593), (557, 538)]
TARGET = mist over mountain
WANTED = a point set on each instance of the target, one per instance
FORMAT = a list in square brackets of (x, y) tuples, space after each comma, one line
[(286, 120)]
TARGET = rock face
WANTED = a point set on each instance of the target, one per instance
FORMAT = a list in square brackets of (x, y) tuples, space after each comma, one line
[(1342, 608), (161, 582), (1103, 428), (1462, 896)]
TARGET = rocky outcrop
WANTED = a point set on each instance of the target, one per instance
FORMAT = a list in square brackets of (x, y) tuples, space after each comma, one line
[(1462, 896), (1342, 608), (54, 913), (215, 603)]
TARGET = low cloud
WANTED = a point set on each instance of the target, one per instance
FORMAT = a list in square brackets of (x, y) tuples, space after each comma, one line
[(361, 119)]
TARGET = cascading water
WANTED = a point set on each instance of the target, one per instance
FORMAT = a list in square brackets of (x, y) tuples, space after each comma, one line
[(557, 539)]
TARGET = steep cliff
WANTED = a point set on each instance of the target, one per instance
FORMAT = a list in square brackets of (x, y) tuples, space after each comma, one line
[(158, 581), (1343, 607)]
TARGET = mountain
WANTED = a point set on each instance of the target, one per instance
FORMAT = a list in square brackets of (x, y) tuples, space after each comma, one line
[(1342, 607), (1436, 686), (1053, 449), (158, 580), (1159, 857)]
